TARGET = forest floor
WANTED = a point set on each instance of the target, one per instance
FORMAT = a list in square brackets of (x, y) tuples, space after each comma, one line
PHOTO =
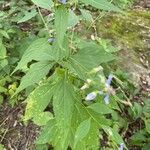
[(15, 135)]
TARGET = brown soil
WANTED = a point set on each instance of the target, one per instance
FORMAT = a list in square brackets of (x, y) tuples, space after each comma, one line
[(142, 3), (14, 134)]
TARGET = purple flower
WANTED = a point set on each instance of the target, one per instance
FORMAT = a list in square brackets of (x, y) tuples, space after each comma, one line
[(121, 146), (50, 40), (109, 80), (91, 96), (106, 99), (63, 1)]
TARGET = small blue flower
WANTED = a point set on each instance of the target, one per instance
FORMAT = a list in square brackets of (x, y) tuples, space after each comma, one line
[(106, 99), (109, 80), (63, 1), (50, 40), (121, 146), (91, 96)]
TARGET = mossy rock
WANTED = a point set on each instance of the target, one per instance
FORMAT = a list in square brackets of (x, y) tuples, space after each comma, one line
[(132, 29), (131, 33)]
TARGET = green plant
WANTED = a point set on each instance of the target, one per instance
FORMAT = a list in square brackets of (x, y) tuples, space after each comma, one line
[(63, 70), (70, 75)]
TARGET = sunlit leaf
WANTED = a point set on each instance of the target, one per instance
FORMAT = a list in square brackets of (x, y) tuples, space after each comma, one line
[(63, 106), (47, 4), (36, 72), (42, 118), (39, 50), (39, 99)]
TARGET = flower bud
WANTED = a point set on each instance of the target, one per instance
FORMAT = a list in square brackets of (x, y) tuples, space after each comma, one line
[(85, 86)]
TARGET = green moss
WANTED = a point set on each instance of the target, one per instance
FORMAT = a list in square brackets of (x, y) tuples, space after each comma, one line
[(131, 33), (130, 30)]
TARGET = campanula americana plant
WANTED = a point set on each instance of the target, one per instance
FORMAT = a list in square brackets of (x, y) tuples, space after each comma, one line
[(56, 69)]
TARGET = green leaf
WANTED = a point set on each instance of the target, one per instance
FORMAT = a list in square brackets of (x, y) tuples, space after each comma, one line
[(39, 50), (47, 4), (48, 133), (82, 131), (138, 137), (4, 34), (2, 147), (100, 108), (28, 16), (102, 4), (146, 108), (2, 89), (59, 53), (42, 118), (36, 72), (113, 102), (3, 63), (73, 19), (137, 108), (2, 50), (61, 23), (146, 146), (91, 140), (147, 124), (63, 106), (86, 59), (63, 100), (86, 15), (39, 99), (41, 147)]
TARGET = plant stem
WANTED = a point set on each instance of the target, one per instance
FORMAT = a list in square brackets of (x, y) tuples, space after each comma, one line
[(45, 24)]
